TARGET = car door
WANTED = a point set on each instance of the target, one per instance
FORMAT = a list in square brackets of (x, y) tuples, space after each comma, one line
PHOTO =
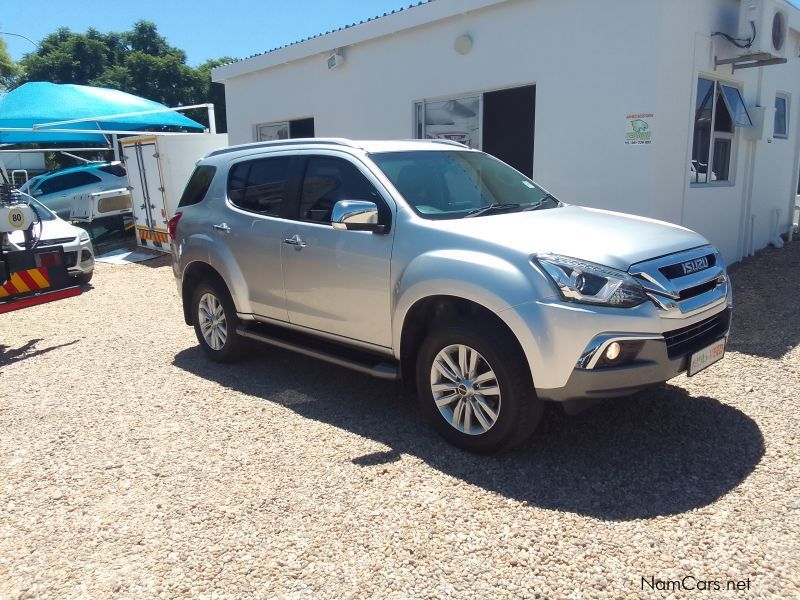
[(59, 191), (337, 281), (254, 225)]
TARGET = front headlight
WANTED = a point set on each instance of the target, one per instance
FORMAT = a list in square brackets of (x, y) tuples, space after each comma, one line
[(84, 236), (589, 283)]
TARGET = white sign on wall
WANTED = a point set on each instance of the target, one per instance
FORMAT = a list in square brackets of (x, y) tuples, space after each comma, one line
[(639, 129)]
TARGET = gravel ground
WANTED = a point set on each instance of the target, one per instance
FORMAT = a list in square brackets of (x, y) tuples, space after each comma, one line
[(132, 467)]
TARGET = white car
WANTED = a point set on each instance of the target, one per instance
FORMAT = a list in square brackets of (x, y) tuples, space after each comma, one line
[(57, 190), (77, 245)]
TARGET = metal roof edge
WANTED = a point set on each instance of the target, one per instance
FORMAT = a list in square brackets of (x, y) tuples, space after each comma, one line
[(404, 19)]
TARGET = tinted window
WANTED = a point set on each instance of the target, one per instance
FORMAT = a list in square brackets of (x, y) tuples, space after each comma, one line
[(68, 181), (198, 185), (781, 121), (117, 170), (260, 185), (328, 180)]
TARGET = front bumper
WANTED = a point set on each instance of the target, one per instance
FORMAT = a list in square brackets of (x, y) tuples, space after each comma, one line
[(79, 257), (655, 361)]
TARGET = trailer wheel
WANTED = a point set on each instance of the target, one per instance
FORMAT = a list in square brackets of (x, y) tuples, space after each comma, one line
[(215, 323)]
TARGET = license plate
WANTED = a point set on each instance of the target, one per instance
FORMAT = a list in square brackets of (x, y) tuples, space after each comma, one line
[(706, 357)]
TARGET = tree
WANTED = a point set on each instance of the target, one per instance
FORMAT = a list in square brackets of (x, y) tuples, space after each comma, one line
[(8, 68), (139, 61)]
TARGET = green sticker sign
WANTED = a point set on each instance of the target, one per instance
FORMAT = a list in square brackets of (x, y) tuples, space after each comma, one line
[(639, 129)]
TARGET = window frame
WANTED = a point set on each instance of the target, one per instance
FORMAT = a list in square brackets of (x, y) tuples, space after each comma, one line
[(291, 191), (385, 208), (731, 138), (420, 107), (282, 122), (787, 99)]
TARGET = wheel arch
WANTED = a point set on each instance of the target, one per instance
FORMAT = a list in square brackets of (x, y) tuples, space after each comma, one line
[(441, 309), (195, 273)]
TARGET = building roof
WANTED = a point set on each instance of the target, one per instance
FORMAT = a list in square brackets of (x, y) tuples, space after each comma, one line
[(415, 15)]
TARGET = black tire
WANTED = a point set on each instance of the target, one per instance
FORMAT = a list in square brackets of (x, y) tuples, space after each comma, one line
[(519, 409), (234, 345), (84, 278)]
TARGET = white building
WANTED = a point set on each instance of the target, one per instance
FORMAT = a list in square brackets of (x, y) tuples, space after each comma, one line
[(619, 104)]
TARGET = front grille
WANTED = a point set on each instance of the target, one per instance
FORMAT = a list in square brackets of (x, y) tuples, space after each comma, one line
[(695, 337), (56, 241), (70, 259), (698, 289), (676, 270)]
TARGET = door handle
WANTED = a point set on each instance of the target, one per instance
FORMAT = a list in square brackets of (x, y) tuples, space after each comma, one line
[(222, 227), (295, 240)]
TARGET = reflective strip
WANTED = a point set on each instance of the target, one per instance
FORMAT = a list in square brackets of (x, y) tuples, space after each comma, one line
[(17, 282), (40, 277)]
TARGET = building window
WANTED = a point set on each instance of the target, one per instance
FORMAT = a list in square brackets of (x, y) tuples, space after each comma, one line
[(781, 116), (457, 119), (284, 130), (719, 109)]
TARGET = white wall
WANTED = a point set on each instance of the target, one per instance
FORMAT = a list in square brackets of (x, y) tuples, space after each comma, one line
[(592, 62)]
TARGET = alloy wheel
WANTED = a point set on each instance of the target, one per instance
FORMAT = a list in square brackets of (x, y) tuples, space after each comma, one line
[(211, 318), (465, 389)]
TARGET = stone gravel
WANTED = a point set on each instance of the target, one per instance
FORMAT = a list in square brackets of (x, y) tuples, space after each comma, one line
[(132, 467)]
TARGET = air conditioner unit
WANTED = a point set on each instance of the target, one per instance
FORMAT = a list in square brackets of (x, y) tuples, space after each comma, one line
[(765, 23)]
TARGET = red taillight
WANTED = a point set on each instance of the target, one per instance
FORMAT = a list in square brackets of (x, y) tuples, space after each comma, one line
[(172, 225)]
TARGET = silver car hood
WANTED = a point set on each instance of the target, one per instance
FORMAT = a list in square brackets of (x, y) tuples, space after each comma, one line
[(608, 238)]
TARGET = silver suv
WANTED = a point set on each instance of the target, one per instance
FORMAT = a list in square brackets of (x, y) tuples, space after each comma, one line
[(446, 267)]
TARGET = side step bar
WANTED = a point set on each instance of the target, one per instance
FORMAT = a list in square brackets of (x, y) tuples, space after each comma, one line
[(381, 370)]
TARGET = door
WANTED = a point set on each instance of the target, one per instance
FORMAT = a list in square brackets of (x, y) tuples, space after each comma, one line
[(58, 193), (253, 226), (147, 188), (508, 123), (338, 281)]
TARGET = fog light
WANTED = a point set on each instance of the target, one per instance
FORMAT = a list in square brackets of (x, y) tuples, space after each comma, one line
[(613, 350)]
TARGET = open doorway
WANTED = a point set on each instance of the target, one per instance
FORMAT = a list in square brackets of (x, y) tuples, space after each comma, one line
[(499, 122)]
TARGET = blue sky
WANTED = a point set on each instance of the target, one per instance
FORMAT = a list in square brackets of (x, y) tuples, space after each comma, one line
[(204, 28)]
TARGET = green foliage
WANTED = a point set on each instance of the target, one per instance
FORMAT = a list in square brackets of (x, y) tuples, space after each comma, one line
[(139, 61), (8, 68)]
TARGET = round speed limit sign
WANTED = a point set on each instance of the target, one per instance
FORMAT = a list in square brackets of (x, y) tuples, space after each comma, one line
[(16, 218)]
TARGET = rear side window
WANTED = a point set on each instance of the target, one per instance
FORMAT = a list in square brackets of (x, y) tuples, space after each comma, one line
[(116, 170), (68, 181), (260, 185), (198, 185), (328, 180)]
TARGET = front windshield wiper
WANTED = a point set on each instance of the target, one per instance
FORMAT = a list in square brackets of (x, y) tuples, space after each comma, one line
[(544, 199), (494, 207)]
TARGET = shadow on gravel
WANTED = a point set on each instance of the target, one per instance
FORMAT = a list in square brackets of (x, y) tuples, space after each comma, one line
[(658, 453), (27, 350), (765, 288)]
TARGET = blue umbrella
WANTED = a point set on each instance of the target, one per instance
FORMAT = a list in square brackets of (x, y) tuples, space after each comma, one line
[(38, 102)]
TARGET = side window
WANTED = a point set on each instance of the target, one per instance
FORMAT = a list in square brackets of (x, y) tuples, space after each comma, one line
[(328, 180), (781, 127), (260, 185), (116, 169), (198, 185), (719, 110), (55, 184)]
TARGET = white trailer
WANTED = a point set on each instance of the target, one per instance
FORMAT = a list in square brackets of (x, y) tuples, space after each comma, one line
[(158, 169)]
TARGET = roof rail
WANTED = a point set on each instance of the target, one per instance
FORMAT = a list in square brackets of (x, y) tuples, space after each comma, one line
[(439, 141), (279, 143)]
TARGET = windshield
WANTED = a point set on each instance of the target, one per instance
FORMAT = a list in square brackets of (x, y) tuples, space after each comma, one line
[(41, 210), (456, 184), (28, 185)]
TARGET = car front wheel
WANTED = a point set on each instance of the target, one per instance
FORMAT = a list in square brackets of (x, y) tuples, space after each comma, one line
[(475, 387)]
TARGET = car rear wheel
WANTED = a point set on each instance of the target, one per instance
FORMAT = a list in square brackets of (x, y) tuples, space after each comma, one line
[(475, 387), (215, 323)]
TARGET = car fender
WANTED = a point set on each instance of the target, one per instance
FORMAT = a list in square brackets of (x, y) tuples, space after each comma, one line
[(488, 280)]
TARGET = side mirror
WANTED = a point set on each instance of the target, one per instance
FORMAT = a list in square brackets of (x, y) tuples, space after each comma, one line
[(356, 215)]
